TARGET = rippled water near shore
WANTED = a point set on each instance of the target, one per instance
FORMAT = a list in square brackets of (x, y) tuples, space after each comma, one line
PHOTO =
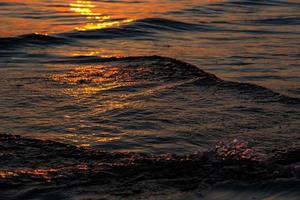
[(145, 87)]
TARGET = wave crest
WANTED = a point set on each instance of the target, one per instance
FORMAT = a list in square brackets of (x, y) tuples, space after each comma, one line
[(54, 164)]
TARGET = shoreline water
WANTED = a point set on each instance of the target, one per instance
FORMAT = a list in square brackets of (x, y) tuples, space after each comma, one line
[(32, 168)]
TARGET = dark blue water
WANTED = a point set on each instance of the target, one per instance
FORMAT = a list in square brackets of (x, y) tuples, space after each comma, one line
[(124, 123)]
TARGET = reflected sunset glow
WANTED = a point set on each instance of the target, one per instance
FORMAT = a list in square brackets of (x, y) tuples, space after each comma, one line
[(51, 18), (97, 20)]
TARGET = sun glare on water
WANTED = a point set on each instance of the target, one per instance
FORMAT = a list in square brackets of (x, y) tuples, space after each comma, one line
[(96, 20)]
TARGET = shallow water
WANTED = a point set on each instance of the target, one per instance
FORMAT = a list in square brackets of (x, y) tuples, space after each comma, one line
[(83, 73)]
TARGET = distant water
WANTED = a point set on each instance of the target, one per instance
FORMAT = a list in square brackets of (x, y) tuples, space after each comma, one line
[(103, 78)]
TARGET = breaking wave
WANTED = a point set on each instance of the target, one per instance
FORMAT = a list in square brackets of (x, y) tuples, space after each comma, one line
[(51, 167)]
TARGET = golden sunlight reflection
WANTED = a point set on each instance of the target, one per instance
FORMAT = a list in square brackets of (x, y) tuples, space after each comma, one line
[(96, 20), (87, 75), (90, 80), (47, 174), (93, 79), (89, 139), (103, 53)]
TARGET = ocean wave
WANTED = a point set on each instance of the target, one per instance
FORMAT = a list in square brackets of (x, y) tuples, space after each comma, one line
[(253, 4), (161, 24), (108, 33), (244, 6), (143, 28), (167, 69), (148, 28), (42, 169), (284, 21), (31, 39), (51, 167)]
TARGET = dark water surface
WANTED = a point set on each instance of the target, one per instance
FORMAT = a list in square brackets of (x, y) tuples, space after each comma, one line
[(83, 74)]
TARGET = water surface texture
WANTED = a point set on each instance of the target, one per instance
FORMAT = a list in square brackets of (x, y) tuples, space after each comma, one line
[(94, 92)]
